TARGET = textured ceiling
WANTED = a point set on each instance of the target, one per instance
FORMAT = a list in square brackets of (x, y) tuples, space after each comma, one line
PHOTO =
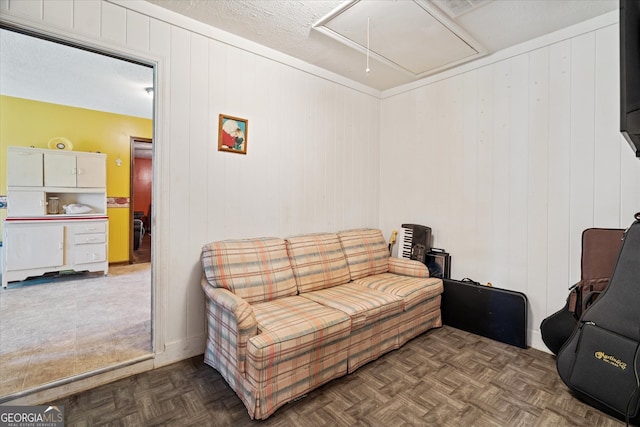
[(38, 69), (286, 26), (375, 27)]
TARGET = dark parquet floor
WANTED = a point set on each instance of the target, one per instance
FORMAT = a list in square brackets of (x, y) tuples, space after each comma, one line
[(143, 254), (444, 377)]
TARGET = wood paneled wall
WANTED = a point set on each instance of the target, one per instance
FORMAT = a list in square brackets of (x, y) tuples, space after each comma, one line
[(510, 161), (312, 160)]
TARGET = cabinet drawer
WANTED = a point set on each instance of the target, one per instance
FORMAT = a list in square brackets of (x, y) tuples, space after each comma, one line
[(83, 239), (88, 254), (89, 227)]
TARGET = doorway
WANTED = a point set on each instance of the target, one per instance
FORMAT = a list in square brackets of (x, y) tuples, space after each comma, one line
[(141, 200), (72, 336)]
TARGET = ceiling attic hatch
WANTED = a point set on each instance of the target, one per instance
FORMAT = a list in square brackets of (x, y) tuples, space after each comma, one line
[(413, 36)]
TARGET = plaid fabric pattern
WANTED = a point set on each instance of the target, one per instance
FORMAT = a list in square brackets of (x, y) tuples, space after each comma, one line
[(317, 261), (256, 270), (363, 305), (366, 251), (372, 341), (374, 319), (418, 319), (408, 267), (273, 346), (231, 324), (301, 345), (413, 290)]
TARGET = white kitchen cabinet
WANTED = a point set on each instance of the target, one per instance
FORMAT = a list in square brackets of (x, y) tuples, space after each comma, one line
[(60, 170), (89, 254), (34, 247), (88, 244), (36, 167), (33, 202), (24, 167), (26, 202), (24, 255), (35, 175), (72, 169), (91, 171), (37, 241)]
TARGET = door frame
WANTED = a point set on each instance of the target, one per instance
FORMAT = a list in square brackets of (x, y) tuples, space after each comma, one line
[(105, 374)]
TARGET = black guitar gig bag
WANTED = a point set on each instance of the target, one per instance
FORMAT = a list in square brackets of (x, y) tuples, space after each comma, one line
[(600, 249), (600, 361)]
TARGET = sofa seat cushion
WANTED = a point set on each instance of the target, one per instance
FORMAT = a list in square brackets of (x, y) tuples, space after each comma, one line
[(366, 251), (413, 290), (292, 332), (255, 270), (317, 261), (365, 306)]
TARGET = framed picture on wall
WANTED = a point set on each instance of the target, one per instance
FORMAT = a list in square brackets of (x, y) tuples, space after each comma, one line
[(232, 134)]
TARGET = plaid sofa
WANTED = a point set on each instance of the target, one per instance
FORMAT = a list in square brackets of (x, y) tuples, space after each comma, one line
[(286, 316)]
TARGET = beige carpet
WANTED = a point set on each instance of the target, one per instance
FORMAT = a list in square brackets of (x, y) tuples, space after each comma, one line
[(51, 329)]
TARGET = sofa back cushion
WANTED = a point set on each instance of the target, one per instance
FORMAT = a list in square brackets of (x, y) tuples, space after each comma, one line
[(317, 261), (254, 269), (366, 251)]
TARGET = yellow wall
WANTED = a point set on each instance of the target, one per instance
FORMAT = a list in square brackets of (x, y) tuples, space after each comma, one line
[(27, 123)]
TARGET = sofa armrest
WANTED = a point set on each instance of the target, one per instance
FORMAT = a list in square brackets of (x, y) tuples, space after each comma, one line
[(231, 322), (408, 267)]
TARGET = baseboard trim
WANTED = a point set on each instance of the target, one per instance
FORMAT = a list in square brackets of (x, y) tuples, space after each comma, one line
[(537, 343), (181, 350)]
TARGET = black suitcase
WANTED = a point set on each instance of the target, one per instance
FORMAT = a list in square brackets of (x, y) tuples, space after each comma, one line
[(495, 313), (600, 362)]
